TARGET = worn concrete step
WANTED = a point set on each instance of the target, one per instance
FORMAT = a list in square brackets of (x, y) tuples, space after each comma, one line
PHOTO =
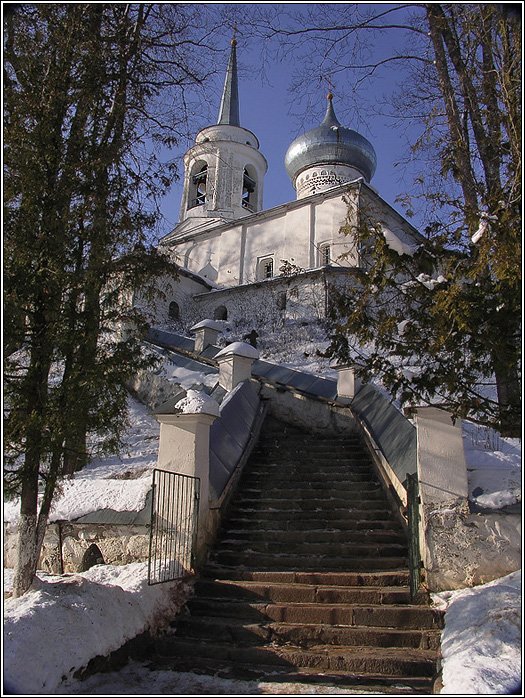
[(299, 593), (304, 635), (307, 459), (266, 561), (378, 660), (365, 549), (305, 490), (304, 497), (363, 535), (352, 521), (380, 578), (315, 479), (316, 509), (371, 683), (372, 615)]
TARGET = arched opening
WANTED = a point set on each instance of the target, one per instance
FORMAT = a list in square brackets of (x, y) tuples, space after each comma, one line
[(324, 254), (91, 557), (265, 268), (198, 185), (174, 310), (220, 313), (248, 190)]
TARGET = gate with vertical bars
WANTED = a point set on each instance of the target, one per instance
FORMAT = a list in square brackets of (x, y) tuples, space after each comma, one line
[(173, 531)]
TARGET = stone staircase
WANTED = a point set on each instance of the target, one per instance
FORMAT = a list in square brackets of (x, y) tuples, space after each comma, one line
[(308, 581)]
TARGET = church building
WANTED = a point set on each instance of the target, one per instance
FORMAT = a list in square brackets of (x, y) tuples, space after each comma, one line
[(241, 262)]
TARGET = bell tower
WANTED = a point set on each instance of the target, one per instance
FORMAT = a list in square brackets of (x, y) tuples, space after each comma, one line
[(224, 170)]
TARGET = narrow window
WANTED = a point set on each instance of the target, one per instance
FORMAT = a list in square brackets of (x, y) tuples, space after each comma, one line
[(248, 189), (174, 310), (220, 313), (324, 255), (265, 268), (199, 187)]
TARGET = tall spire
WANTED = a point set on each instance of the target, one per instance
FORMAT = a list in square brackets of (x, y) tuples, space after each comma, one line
[(229, 109)]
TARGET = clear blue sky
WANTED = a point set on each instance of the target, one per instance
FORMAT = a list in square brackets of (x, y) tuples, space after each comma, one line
[(269, 110)]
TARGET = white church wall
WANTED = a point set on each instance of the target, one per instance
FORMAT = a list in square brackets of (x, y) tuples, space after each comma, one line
[(330, 216)]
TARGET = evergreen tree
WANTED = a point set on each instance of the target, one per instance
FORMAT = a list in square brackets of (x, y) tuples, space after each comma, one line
[(85, 100), (460, 91)]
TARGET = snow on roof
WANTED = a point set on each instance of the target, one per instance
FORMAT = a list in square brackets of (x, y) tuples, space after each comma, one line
[(239, 349)]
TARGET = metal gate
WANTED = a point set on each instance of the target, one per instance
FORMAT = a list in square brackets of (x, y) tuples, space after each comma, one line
[(173, 531), (414, 554)]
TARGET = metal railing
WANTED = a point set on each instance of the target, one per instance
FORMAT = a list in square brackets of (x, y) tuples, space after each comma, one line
[(414, 553), (173, 531)]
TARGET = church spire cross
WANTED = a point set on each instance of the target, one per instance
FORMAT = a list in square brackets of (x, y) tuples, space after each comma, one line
[(229, 109)]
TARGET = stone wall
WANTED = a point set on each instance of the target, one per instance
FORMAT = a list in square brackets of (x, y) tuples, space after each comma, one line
[(83, 545)]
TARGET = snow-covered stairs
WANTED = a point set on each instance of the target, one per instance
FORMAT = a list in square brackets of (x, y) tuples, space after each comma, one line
[(309, 579)]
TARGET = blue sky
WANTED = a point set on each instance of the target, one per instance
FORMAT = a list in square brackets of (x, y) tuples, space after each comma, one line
[(276, 117)]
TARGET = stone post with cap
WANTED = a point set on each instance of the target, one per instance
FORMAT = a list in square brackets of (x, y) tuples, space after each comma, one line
[(235, 364), (206, 333)]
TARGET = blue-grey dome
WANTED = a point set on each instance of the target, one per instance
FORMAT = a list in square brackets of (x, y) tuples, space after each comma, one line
[(330, 143)]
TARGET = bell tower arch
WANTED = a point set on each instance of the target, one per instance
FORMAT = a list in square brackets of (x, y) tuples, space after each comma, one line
[(224, 171)]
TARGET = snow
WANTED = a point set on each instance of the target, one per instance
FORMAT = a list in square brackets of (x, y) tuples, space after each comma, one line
[(484, 226), (197, 402), (396, 243), (118, 482), (239, 349), (481, 641), (493, 467), (64, 621), (209, 324)]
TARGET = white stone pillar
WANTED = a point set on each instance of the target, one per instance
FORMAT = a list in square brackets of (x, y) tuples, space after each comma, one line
[(184, 447), (235, 364), (206, 333), (443, 495), (347, 382)]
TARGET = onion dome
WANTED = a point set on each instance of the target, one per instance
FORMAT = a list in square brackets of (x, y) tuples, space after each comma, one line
[(331, 144)]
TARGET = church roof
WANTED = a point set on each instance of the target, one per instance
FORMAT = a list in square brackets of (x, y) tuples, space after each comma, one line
[(330, 143), (229, 109)]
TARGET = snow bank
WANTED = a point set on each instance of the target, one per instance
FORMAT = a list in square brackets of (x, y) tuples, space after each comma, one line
[(481, 642), (63, 622)]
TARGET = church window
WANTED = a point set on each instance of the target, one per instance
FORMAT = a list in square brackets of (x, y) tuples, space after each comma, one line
[(248, 190), (174, 310), (324, 255), (199, 182), (281, 302), (265, 268), (220, 313)]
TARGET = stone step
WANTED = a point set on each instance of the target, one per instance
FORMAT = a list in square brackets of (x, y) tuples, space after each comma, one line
[(299, 593), (380, 578), (265, 561), (305, 490), (374, 660), (300, 523), (406, 616), (317, 500), (311, 459), (316, 509), (302, 634), (316, 479), (373, 684), (363, 535), (335, 550)]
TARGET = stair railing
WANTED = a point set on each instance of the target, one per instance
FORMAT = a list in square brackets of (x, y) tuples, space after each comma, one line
[(414, 553)]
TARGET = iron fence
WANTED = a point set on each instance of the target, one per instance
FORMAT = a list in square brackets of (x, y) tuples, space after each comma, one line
[(414, 554), (173, 531)]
